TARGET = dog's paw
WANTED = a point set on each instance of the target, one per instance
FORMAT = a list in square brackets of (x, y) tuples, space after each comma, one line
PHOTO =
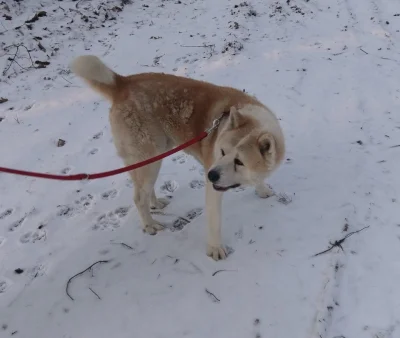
[(263, 191), (153, 228), (216, 252), (159, 203)]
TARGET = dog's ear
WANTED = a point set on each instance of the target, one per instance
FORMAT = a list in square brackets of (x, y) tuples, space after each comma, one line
[(266, 144), (235, 118)]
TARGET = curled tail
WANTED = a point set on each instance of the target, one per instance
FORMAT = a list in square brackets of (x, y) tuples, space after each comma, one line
[(100, 77)]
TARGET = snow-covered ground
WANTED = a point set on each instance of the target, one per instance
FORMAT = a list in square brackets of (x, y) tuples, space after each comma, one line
[(329, 69)]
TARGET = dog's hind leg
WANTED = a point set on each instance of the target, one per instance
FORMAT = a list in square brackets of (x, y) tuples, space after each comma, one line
[(144, 195)]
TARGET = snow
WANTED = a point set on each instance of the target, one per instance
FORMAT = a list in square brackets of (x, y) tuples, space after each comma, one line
[(329, 70)]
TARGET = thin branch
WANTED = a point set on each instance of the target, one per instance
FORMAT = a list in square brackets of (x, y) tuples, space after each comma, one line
[(66, 80), (195, 46), (78, 274), (11, 62), (363, 51), (339, 242), (218, 271), (14, 58), (396, 146), (27, 50), (94, 293), (125, 245), (214, 297)]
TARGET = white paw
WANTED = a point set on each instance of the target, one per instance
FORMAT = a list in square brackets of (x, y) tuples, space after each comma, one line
[(263, 191), (216, 252), (153, 228), (159, 203)]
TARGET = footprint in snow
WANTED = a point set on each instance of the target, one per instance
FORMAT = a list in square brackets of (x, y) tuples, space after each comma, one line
[(179, 159), (197, 184), (6, 213), (65, 211), (110, 194), (181, 222), (93, 151), (169, 186), (3, 286), (111, 220), (33, 236), (37, 271), (80, 205), (97, 136), (129, 183), (66, 170), (15, 225)]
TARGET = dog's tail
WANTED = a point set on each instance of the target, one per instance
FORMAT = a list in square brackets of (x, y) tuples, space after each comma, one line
[(100, 77)]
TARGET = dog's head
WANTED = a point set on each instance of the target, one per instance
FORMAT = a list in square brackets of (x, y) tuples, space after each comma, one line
[(249, 147)]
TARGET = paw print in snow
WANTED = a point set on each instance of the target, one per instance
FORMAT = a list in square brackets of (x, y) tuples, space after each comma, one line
[(111, 220), (197, 184), (33, 236), (80, 205), (6, 213), (194, 213), (181, 222), (66, 170), (65, 211), (15, 225), (181, 158), (85, 202), (98, 135), (93, 151), (37, 271), (19, 222), (3, 286), (110, 194), (169, 186)]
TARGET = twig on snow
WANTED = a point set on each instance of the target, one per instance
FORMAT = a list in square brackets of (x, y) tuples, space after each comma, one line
[(396, 146), (214, 297), (124, 245), (223, 270), (13, 59), (94, 293), (339, 242), (66, 80), (363, 51), (78, 274), (195, 46)]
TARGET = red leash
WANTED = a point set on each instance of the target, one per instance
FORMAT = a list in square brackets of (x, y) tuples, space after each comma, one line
[(80, 177)]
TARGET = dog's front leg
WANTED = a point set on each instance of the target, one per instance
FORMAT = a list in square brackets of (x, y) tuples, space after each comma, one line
[(263, 190), (213, 209)]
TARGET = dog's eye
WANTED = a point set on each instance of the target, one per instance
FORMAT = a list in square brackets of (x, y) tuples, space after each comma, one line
[(238, 162), (222, 152)]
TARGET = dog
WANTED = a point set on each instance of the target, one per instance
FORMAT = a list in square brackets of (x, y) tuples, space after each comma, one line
[(153, 112)]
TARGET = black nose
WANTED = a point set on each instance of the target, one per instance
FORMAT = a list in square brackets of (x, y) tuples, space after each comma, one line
[(213, 175)]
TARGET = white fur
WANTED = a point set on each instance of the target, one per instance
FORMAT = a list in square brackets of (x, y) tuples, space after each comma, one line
[(215, 248), (91, 68), (266, 118)]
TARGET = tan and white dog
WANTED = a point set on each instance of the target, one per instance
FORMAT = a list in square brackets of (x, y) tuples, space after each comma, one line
[(153, 112)]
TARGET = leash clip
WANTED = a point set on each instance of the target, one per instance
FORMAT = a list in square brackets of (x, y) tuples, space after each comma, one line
[(215, 124)]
